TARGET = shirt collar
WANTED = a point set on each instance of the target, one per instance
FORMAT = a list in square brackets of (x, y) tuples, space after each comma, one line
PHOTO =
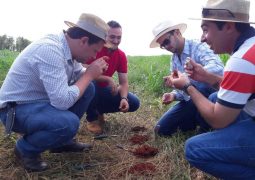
[(186, 48)]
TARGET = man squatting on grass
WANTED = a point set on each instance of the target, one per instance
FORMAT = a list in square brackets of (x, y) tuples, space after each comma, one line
[(111, 97), (228, 152), (183, 115), (47, 90)]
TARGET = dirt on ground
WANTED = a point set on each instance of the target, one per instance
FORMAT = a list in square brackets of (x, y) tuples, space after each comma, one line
[(141, 156)]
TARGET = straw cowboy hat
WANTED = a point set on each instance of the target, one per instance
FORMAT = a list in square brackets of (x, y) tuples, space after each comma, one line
[(227, 11), (163, 28), (92, 24)]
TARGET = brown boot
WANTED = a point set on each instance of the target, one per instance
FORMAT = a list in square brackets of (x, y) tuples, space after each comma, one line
[(101, 119), (95, 127)]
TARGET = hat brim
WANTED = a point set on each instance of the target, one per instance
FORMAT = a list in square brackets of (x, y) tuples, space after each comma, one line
[(221, 20), (92, 31), (70, 24), (182, 27)]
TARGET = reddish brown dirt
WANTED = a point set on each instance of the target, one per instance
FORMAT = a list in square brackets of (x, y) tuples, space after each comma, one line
[(145, 151), (138, 129), (139, 139), (142, 169)]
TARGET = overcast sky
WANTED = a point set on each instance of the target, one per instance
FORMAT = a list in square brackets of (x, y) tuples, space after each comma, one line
[(32, 19)]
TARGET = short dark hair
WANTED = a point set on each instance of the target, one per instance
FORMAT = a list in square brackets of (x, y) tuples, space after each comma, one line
[(77, 33), (114, 24), (240, 27)]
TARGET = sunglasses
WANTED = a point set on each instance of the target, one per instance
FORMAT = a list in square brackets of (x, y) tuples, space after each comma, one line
[(166, 42)]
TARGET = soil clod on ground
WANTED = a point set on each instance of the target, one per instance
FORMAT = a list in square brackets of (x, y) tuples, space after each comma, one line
[(139, 139), (145, 151), (142, 169)]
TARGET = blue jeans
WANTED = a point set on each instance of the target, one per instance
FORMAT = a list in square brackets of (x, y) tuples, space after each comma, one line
[(227, 153), (105, 102), (45, 127), (183, 116)]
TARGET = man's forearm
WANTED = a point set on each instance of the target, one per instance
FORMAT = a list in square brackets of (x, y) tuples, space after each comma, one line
[(103, 78), (213, 79), (124, 90)]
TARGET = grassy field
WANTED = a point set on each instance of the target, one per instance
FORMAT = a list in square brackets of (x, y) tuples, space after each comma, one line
[(106, 161), (6, 59)]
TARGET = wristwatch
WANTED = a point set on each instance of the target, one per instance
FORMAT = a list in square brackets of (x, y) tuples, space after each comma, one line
[(124, 98), (185, 87)]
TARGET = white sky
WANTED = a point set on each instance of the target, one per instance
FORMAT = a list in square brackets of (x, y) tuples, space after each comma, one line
[(32, 19)]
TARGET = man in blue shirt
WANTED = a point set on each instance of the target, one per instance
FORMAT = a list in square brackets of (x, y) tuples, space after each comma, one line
[(47, 90), (183, 115)]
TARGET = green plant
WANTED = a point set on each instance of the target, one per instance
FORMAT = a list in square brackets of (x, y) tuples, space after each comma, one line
[(147, 72), (224, 58), (6, 59)]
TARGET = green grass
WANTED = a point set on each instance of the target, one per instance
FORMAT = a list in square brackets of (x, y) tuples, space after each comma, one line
[(145, 79), (147, 72), (6, 60), (224, 58)]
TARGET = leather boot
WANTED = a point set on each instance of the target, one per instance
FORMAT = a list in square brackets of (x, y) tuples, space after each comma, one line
[(74, 147), (31, 164), (101, 119), (95, 127)]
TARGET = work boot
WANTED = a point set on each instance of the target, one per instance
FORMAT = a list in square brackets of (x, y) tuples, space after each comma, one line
[(95, 127), (101, 119), (31, 164), (74, 147)]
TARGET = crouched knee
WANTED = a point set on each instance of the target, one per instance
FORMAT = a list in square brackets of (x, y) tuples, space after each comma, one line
[(134, 103), (68, 125)]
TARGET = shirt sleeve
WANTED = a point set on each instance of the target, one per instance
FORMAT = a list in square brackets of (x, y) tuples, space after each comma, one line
[(238, 83), (178, 96), (210, 61), (50, 64), (122, 68)]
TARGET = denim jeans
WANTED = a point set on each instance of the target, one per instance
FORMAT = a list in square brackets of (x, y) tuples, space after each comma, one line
[(183, 116), (227, 153), (45, 127), (105, 102)]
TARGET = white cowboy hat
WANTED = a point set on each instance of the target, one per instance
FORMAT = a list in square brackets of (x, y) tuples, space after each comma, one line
[(226, 11), (163, 28), (92, 24)]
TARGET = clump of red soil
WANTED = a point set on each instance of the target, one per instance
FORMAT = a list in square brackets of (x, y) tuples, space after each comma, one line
[(142, 169), (138, 128), (139, 139), (145, 151)]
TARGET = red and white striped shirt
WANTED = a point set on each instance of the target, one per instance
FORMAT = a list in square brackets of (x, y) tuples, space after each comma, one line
[(238, 86)]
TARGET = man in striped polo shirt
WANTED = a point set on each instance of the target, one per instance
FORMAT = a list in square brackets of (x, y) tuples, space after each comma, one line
[(228, 152)]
